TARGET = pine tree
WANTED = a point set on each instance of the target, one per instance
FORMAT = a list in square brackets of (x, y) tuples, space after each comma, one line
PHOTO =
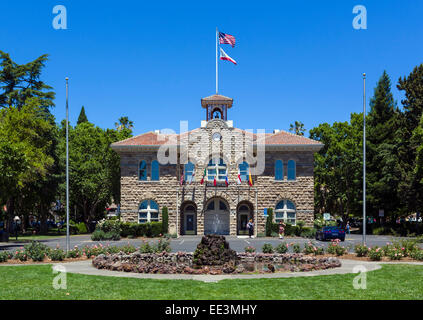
[(82, 116), (383, 173)]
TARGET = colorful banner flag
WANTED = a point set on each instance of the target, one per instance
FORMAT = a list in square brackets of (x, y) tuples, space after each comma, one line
[(250, 179), (182, 178), (214, 181), (224, 56), (226, 181), (204, 174), (239, 181), (225, 38)]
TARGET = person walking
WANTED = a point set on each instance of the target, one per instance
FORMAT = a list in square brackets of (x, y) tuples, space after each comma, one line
[(348, 227), (281, 229), (250, 226)]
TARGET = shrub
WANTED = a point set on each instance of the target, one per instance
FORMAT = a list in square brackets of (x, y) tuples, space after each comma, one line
[(299, 227), (128, 249), (274, 234), (97, 235), (417, 255), (269, 222), (163, 245), (111, 235), (308, 248), (282, 248), (82, 228), (94, 250), (267, 248), (109, 226), (296, 248), (36, 251), (20, 255), (361, 251), (318, 251), (394, 254), (146, 248), (308, 233), (335, 248), (250, 249), (56, 254), (156, 229), (165, 220), (375, 254), (261, 235), (340, 251), (73, 253), (4, 256), (170, 235)]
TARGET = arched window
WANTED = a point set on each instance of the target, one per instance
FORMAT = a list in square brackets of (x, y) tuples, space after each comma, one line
[(243, 171), (189, 172), (155, 170), (278, 170), (285, 211), (148, 211), (291, 170), (216, 168), (143, 171)]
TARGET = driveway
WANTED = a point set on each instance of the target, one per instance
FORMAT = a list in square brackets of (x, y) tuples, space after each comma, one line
[(189, 243)]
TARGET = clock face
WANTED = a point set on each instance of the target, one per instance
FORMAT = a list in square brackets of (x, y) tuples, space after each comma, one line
[(217, 136)]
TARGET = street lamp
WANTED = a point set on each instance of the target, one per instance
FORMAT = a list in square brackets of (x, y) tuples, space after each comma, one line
[(16, 219)]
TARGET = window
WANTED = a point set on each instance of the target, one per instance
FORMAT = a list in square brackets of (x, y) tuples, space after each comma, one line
[(291, 170), (143, 171), (216, 168), (222, 206), (155, 170), (148, 211), (243, 171), (189, 172), (210, 205), (279, 170), (285, 211)]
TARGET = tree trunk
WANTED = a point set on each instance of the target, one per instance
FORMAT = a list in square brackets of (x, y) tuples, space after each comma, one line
[(43, 219)]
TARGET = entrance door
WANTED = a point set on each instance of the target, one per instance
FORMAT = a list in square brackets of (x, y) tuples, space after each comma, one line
[(243, 217), (216, 218), (189, 221)]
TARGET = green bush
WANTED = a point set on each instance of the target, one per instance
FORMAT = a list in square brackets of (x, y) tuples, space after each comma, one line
[(417, 255), (20, 255), (4, 256), (282, 248), (308, 248), (146, 248), (156, 229), (335, 248), (170, 235), (73, 253), (267, 248), (274, 235), (82, 228), (163, 245), (97, 235), (269, 222), (360, 250), (36, 251), (111, 235), (375, 254), (250, 249), (165, 220), (296, 248), (308, 232), (56, 254), (111, 225)]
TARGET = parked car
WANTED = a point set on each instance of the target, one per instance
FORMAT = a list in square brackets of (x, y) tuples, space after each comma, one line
[(328, 233)]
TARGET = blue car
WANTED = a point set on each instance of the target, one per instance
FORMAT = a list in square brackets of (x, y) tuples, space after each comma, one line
[(329, 233)]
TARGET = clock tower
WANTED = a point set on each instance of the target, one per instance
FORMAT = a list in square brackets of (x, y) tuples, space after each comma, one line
[(216, 106)]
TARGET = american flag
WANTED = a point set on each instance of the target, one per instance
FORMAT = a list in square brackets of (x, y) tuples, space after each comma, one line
[(226, 38)]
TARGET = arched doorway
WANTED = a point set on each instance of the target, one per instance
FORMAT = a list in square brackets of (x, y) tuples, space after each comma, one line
[(216, 217), (189, 219), (243, 214)]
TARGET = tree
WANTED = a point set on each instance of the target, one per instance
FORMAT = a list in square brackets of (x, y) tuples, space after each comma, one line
[(124, 123), (383, 173), (20, 82), (297, 128), (409, 188), (338, 167), (82, 116), (24, 151)]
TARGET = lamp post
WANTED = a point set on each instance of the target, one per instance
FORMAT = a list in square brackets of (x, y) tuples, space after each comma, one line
[(16, 219)]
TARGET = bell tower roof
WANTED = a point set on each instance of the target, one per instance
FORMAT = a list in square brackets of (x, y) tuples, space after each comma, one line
[(216, 99)]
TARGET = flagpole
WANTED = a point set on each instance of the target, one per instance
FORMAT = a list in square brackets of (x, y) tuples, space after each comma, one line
[(364, 159), (67, 168), (217, 70)]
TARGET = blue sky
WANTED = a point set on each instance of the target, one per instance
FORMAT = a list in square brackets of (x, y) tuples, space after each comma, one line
[(153, 62)]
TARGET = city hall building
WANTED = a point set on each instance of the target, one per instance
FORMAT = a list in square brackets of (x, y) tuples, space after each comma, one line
[(220, 176)]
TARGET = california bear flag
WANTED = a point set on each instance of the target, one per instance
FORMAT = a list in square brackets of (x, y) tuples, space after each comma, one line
[(224, 56)]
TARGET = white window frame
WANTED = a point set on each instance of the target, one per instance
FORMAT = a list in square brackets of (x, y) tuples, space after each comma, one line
[(285, 212), (216, 166), (149, 210)]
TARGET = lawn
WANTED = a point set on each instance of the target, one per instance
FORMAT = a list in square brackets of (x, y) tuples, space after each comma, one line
[(35, 282)]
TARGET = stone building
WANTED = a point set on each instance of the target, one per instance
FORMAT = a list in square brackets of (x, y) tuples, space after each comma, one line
[(203, 176)]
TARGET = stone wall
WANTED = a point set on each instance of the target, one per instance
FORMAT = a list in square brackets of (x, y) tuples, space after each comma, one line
[(265, 193)]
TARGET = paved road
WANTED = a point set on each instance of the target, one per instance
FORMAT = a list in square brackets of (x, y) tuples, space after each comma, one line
[(189, 243)]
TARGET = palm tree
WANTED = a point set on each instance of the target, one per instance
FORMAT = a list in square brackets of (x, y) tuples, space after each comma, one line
[(124, 123), (297, 128)]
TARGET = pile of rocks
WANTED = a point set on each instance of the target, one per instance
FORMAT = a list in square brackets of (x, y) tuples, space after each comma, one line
[(213, 250)]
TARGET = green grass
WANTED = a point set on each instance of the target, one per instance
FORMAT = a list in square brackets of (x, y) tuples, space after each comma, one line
[(35, 282)]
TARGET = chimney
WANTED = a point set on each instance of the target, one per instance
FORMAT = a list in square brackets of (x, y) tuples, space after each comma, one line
[(276, 131)]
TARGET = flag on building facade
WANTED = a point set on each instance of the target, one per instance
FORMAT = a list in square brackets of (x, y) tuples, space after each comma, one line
[(225, 38), (192, 177), (250, 179), (204, 174), (214, 181), (239, 177), (226, 181), (224, 56), (182, 178)]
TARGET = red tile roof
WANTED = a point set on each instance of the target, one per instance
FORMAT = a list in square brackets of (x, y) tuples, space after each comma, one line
[(156, 139)]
